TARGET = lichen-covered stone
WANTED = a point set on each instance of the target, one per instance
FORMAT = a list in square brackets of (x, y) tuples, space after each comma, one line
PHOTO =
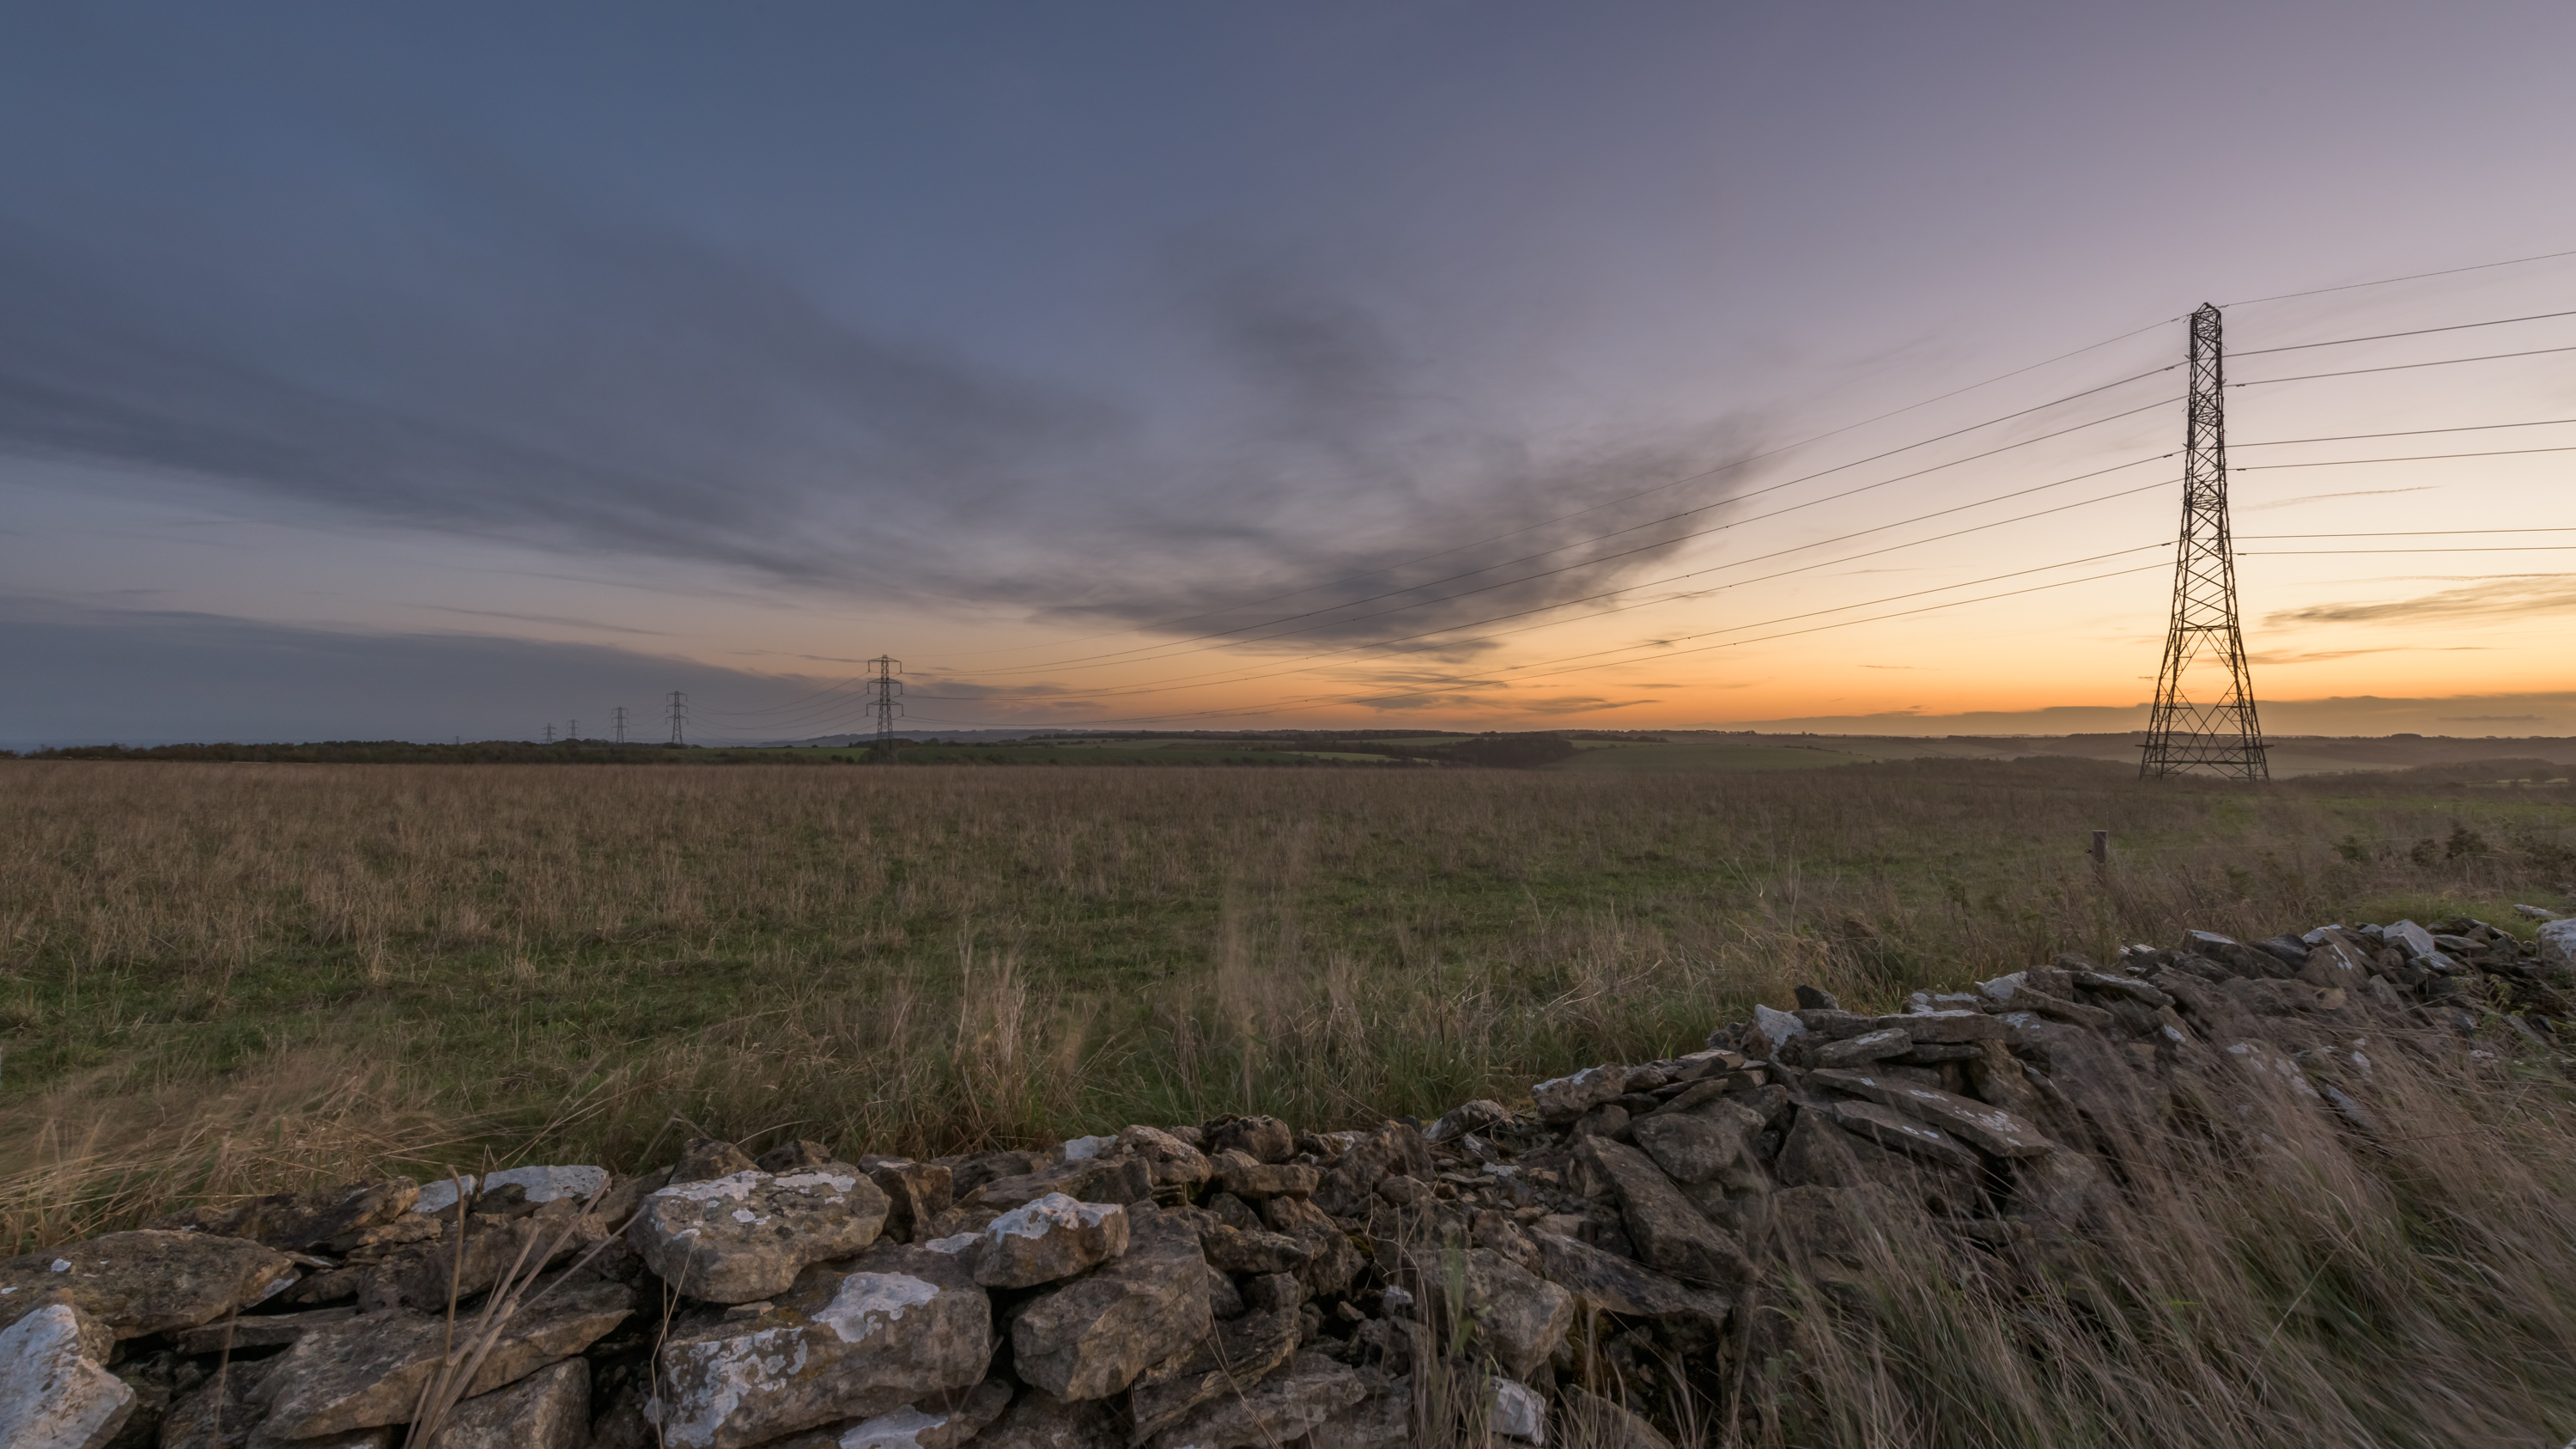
[(848, 1341), (1054, 1237), (1092, 1337), (745, 1236)]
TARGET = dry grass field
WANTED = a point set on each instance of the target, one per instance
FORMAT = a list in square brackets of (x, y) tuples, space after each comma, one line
[(220, 978)]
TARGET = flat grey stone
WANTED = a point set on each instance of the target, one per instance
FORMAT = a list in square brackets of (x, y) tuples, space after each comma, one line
[(268, 1330), (303, 1222), (2409, 938), (1941, 1027), (545, 1184), (745, 1236), (1912, 1135), (549, 1409), (1867, 1047), (369, 1371), (1566, 1098), (147, 1282), (438, 1195), (1990, 1130), (1608, 1283)]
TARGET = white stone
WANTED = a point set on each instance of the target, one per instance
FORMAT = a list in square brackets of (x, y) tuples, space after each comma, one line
[(440, 1195), (2558, 945), (1049, 1213), (545, 1184), (2408, 937), (868, 1301), (1567, 1098), (2003, 988), (2535, 913), (1777, 1027), (1083, 1149), (1514, 1411), (53, 1393)]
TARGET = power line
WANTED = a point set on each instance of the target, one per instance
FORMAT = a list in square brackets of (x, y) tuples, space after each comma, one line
[(679, 717), (1660, 487), (790, 704), (2409, 533), (2402, 366), (2407, 433), (1446, 686), (2410, 458), (1210, 639), (1607, 558), (2323, 552), (2414, 332), (1381, 644), (2412, 277)]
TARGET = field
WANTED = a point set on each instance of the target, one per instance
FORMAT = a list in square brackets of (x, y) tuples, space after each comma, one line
[(220, 977)]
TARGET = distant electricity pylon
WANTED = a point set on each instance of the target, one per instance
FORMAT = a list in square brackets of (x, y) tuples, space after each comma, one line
[(883, 688), (617, 724), (550, 734), (2204, 648), (572, 731), (679, 718)]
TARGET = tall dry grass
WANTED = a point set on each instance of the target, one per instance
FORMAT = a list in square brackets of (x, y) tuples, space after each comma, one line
[(2270, 1277), (220, 979)]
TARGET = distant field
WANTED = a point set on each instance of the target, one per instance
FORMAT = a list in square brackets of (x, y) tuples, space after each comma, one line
[(1691, 759), (224, 977)]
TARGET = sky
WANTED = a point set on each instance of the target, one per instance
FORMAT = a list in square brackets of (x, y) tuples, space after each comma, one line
[(470, 370)]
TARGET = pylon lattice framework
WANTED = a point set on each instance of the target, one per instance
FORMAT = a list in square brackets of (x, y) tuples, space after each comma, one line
[(2222, 737), (883, 688)]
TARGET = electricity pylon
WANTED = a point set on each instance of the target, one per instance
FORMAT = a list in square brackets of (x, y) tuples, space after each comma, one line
[(2204, 647), (883, 688)]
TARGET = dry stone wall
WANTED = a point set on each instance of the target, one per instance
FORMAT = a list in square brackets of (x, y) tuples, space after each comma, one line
[(1230, 1283)]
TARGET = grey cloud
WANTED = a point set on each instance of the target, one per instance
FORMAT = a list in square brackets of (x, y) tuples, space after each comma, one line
[(94, 675), (518, 368), (562, 619)]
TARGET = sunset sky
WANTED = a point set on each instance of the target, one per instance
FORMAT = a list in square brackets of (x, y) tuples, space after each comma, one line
[(411, 372)]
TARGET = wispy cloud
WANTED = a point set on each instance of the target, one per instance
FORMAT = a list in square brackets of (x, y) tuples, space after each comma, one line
[(563, 619), (2518, 594), (2320, 656), (2325, 497)]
